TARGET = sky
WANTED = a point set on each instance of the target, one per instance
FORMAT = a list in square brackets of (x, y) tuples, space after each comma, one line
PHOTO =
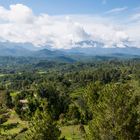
[(62, 24), (60, 7)]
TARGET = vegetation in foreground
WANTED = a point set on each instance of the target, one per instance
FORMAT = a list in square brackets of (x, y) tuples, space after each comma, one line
[(95, 100)]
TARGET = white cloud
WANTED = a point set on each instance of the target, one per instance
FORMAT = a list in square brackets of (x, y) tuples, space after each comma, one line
[(133, 30), (20, 13), (19, 24), (135, 17), (117, 10), (17, 13)]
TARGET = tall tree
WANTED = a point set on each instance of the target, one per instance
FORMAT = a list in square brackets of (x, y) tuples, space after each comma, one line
[(114, 115), (8, 99), (42, 127)]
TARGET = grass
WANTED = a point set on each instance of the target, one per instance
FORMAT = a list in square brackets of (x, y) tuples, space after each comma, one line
[(14, 94), (14, 119), (42, 72), (71, 132), (2, 75)]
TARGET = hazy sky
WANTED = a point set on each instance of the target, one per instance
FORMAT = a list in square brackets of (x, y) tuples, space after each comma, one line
[(64, 23)]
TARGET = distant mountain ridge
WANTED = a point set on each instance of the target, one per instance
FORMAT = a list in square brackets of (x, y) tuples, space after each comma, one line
[(84, 48), (28, 50), (105, 51)]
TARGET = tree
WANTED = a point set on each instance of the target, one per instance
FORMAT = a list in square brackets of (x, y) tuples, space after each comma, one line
[(78, 109), (114, 115), (42, 127), (49, 92), (8, 99)]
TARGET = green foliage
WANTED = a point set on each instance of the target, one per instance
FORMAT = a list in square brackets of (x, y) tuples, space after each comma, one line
[(95, 92), (78, 109), (114, 114), (55, 101), (42, 127), (3, 118), (8, 99)]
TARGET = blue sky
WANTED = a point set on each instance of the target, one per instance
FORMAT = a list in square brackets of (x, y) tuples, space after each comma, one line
[(57, 7)]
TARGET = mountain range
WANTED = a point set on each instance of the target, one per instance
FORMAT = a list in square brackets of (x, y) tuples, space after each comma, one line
[(95, 49)]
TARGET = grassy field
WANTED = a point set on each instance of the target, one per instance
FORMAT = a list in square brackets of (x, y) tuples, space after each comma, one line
[(2, 75), (16, 125), (72, 132)]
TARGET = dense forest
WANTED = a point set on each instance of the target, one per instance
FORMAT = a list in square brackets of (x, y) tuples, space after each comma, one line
[(94, 99)]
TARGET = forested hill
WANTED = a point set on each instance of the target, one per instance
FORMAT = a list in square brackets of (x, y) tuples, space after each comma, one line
[(94, 99)]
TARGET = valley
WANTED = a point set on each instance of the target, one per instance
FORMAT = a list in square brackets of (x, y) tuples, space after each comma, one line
[(64, 95)]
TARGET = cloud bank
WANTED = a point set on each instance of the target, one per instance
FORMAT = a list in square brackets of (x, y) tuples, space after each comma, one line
[(19, 24)]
